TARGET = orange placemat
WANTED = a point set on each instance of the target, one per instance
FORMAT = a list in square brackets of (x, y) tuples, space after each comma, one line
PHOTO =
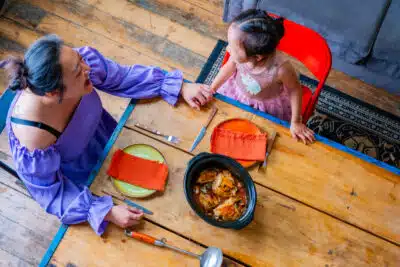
[(239, 145), (138, 171)]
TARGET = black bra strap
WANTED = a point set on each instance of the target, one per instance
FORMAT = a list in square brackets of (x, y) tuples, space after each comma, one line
[(36, 124)]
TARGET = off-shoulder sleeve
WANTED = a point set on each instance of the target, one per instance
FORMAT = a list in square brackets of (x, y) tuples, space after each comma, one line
[(56, 193), (136, 81)]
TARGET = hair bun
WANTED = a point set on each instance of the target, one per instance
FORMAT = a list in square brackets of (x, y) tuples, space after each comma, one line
[(17, 73)]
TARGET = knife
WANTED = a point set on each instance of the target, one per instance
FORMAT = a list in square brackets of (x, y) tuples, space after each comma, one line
[(269, 148), (130, 203), (203, 129)]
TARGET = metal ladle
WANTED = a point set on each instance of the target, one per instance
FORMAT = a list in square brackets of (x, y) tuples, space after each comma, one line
[(212, 257)]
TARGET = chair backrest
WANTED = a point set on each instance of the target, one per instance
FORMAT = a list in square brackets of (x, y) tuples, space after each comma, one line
[(311, 49), (308, 47)]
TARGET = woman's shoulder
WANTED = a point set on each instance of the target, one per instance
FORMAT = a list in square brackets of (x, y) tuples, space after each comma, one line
[(35, 156), (33, 138), (30, 137)]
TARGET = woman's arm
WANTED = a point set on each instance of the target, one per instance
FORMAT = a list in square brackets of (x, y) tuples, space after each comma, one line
[(58, 195), (224, 73), (140, 82)]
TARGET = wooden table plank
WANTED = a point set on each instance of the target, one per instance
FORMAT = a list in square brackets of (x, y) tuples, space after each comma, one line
[(7, 259), (284, 232), (82, 247), (213, 6), (25, 229), (318, 175), (9, 180), (157, 24), (125, 33), (188, 14)]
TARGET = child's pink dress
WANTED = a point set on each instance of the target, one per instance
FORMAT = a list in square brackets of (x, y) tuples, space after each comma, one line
[(262, 91)]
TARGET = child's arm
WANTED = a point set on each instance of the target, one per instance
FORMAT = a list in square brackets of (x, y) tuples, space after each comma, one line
[(299, 131), (224, 73)]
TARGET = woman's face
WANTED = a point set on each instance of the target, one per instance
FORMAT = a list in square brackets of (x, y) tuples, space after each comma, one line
[(235, 44), (75, 74)]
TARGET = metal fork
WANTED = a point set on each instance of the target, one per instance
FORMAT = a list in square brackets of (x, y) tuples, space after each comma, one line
[(169, 138)]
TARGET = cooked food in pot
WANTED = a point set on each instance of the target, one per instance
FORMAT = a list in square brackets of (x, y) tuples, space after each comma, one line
[(208, 201), (229, 210), (207, 176), (220, 195), (224, 185)]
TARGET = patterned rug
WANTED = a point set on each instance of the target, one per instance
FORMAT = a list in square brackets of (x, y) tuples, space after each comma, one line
[(339, 117)]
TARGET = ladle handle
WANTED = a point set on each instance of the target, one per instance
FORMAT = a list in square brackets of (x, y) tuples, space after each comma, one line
[(143, 237)]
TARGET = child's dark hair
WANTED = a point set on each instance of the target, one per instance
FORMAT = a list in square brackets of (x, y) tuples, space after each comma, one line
[(40, 70), (263, 32)]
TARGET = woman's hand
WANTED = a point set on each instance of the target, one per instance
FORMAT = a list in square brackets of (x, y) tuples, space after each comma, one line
[(300, 132), (196, 94), (124, 216)]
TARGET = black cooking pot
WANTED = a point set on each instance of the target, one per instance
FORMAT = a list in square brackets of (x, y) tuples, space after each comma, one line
[(205, 161)]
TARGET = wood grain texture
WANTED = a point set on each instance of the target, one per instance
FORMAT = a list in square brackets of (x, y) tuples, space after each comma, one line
[(214, 6), (82, 247), (5, 153), (156, 47), (144, 33), (7, 259), (284, 232), (318, 175), (25, 229), (187, 14), (10, 181), (158, 25)]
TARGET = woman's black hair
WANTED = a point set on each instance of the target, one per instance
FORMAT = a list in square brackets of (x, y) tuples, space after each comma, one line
[(40, 70), (263, 32)]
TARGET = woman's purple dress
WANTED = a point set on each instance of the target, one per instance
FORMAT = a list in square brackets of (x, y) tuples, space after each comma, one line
[(56, 176)]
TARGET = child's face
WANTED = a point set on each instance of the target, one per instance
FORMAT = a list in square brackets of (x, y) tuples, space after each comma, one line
[(235, 44)]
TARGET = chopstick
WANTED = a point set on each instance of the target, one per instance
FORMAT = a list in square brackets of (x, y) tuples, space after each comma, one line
[(129, 202)]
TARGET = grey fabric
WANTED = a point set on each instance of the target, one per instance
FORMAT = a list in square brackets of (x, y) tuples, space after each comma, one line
[(368, 75), (387, 45), (349, 26), (350, 38), (384, 67), (231, 9)]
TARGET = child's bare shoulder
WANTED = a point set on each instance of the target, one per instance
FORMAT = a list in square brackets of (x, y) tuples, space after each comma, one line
[(286, 69)]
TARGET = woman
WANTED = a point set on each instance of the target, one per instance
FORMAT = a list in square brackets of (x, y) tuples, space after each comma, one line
[(58, 128)]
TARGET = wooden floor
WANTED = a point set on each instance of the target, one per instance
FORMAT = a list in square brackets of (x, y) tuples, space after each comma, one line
[(167, 33)]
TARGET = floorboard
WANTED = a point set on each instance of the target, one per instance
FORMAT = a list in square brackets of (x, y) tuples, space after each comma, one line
[(166, 33)]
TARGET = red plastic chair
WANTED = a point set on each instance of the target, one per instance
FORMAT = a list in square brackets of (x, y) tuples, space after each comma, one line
[(311, 49)]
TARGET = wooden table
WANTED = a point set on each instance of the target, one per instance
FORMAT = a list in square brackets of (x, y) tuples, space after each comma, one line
[(318, 205)]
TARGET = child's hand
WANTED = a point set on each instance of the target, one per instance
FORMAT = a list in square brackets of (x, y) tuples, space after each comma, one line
[(300, 132), (196, 94)]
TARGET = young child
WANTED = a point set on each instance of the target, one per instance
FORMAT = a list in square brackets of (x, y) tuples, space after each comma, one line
[(257, 74)]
